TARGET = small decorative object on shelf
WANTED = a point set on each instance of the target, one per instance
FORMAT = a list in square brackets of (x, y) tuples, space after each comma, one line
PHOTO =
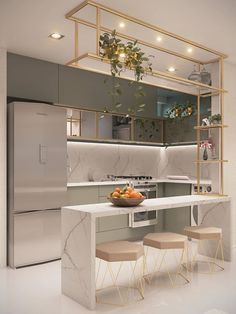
[(205, 76), (206, 145), (202, 76), (195, 75), (205, 155), (215, 119), (205, 122)]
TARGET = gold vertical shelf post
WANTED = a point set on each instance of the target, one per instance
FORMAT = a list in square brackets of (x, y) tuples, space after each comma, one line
[(76, 53), (198, 141), (221, 187), (98, 24)]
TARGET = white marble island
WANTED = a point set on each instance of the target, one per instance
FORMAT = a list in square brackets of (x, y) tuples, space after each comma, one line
[(79, 236)]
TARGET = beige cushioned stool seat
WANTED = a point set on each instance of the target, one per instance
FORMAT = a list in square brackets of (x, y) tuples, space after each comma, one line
[(165, 240), (118, 251), (203, 233)]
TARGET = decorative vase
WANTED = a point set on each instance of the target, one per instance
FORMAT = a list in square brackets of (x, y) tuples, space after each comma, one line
[(205, 154)]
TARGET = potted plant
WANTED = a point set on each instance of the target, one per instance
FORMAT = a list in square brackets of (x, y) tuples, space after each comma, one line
[(215, 119), (123, 56)]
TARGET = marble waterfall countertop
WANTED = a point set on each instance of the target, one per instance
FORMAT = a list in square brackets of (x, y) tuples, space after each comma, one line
[(78, 265), (123, 182), (107, 209)]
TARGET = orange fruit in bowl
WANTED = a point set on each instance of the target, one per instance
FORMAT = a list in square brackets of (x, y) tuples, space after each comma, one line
[(117, 190), (134, 194), (129, 189), (127, 194), (115, 194)]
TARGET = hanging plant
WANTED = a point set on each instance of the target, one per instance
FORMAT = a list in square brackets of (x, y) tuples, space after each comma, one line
[(180, 111), (125, 56)]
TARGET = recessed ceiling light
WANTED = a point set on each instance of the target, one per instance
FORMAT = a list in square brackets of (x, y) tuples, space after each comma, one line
[(159, 38), (56, 36), (122, 24), (190, 50), (171, 69)]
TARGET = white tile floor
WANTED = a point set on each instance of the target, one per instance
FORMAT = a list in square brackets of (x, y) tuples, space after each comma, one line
[(36, 290)]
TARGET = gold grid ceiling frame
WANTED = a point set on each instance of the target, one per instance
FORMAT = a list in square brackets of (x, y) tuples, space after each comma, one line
[(196, 88)]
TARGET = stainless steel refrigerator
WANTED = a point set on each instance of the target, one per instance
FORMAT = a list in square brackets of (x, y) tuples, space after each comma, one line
[(37, 179)]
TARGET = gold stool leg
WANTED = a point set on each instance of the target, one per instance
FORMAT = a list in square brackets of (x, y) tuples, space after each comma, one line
[(211, 264), (114, 278), (181, 262)]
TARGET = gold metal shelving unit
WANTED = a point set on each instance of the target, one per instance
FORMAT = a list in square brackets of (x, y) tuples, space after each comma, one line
[(160, 79)]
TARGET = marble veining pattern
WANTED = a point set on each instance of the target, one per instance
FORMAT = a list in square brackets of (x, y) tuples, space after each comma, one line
[(93, 162), (78, 257), (79, 237)]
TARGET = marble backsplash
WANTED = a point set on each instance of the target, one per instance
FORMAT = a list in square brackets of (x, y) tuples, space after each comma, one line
[(180, 161), (93, 162)]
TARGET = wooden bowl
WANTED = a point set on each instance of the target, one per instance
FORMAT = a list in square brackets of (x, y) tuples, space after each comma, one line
[(126, 202)]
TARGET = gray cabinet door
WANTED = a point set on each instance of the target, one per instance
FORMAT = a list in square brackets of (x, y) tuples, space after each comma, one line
[(82, 89), (32, 78), (176, 219), (180, 130), (81, 195)]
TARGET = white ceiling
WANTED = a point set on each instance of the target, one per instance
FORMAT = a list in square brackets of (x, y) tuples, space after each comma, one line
[(26, 24)]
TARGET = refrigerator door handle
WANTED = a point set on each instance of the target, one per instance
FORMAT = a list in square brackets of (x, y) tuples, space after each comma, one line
[(43, 150)]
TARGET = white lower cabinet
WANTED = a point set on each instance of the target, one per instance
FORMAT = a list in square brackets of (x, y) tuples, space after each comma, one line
[(37, 237)]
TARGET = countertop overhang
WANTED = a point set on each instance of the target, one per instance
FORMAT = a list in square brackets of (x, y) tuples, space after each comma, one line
[(107, 209)]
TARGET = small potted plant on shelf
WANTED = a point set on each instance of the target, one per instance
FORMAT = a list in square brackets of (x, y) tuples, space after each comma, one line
[(215, 119)]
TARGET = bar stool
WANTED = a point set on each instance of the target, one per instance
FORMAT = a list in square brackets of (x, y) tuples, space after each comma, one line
[(166, 241), (202, 234), (120, 251)]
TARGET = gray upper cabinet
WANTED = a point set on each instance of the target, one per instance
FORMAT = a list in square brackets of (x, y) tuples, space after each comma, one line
[(82, 89), (180, 131), (39, 80), (32, 79), (87, 90)]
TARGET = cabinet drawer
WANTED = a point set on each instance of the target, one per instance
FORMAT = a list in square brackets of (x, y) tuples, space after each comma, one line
[(82, 195), (105, 190), (113, 222), (103, 199)]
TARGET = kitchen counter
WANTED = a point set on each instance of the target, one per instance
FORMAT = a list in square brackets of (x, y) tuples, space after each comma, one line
[(79, 236), (108, 209), (124, 182)]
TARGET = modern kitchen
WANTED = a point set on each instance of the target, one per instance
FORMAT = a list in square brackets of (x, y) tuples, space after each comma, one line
[(117, 157)]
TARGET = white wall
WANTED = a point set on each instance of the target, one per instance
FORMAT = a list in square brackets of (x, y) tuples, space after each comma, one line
[(2, 157), (230, 141)]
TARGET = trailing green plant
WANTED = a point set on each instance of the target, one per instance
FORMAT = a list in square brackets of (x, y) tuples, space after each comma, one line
[(111, 47), (180, 111), (125, 56)]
